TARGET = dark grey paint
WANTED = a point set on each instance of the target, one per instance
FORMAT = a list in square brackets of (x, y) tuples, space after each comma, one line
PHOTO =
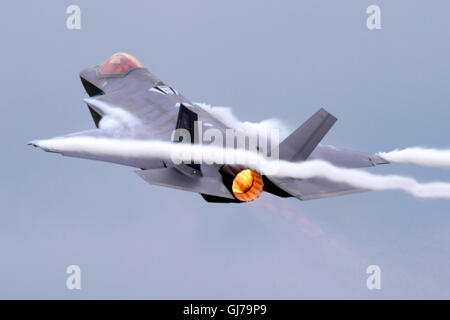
[(158, 113)]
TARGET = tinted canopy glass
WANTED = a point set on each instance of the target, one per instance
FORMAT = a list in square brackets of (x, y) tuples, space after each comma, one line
[(119, 63)]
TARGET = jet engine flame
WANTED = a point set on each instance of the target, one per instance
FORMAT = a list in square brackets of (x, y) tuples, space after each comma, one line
[(247, 185)]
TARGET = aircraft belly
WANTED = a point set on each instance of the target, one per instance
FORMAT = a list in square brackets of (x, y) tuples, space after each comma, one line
[(171, 177)]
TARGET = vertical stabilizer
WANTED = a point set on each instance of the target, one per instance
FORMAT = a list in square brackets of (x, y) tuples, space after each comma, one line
[(302, 142)]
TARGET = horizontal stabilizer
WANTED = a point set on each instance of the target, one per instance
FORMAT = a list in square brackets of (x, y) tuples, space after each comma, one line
[(303, 144), (314, 188)]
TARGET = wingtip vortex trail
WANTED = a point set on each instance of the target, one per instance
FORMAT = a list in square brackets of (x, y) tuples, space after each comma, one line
[(297, 170)]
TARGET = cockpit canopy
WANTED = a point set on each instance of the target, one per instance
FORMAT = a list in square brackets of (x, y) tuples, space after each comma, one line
[(119, 63)]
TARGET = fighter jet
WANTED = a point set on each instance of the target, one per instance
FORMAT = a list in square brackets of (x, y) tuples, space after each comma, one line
[(123, 82)]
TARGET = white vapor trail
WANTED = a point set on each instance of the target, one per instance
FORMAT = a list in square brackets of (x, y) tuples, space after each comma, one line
[(419, 156), (144, 149), (225, 114), (115, 120)]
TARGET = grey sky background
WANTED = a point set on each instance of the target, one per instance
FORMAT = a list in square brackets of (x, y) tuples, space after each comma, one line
[(284, 59)]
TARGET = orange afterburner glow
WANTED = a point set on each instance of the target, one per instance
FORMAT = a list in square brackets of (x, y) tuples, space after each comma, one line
[(119, 63), (247, 185)]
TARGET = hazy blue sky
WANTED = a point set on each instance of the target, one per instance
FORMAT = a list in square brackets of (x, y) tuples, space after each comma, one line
[(389, 89)]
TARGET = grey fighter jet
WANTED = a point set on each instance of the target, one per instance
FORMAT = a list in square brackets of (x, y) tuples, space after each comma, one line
[(123, 82)]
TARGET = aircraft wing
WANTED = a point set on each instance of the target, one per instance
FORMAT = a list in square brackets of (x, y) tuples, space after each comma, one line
[(153, 104), (136, 105)]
